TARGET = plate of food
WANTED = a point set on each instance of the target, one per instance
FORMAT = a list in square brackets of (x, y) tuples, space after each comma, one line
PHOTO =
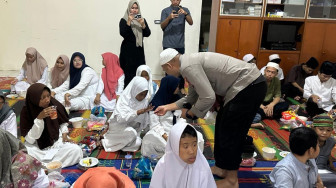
[(88, 162), (284, 153), (12, 96)]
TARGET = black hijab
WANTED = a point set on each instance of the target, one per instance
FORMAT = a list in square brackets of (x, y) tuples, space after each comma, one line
[(165, 94), (75, 74)]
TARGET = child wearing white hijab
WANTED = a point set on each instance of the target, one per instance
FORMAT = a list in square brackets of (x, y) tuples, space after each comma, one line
[(183, 164), (129, 118), (145, 71)]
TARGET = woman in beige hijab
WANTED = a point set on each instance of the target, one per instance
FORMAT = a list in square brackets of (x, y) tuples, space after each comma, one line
[(60, 72), (133, 28), (34, 70)]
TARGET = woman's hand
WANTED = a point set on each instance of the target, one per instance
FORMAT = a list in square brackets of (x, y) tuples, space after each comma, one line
[(130, 18), (66, 139), (97, 99), (45, 113), (142, 22), (67, 100)]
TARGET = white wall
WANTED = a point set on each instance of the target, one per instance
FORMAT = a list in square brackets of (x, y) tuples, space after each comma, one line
[(57, 27)]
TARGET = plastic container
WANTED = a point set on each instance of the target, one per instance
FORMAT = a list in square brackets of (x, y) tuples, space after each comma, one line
[(128, 161), (76, 122), (268, 153), (54, 166)]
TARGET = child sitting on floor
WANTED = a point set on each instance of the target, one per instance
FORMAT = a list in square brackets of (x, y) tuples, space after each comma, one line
[(323, 126), (129, 118), (183, 164), (298, 169)]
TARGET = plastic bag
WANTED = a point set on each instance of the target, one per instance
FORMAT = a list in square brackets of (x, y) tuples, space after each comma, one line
[(56, 180), (210, 117), (143, 169)]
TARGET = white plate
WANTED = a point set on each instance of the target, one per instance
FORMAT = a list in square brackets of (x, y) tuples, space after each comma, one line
[(284, 153), (94, 162), (10, 96)]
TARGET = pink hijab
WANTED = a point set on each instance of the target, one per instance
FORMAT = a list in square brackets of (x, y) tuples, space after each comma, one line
[(110, 74), (59, 76), (34, 71)]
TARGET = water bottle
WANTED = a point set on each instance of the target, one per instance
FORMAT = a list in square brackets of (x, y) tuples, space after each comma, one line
[(153, 160), (128, 161)]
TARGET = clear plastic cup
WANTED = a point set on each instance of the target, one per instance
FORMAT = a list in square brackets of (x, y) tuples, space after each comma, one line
[(53, 114), (128, 161)]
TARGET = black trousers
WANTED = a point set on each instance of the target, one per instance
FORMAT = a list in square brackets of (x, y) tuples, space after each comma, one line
[(290, 91), (232, 125), (312, 108), (277, 110)]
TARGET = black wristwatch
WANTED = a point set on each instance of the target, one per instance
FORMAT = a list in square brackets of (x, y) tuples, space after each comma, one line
[(190, 117)]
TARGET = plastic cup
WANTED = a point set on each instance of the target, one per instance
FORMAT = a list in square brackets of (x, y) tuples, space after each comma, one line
[(128, 161), (53, 114)]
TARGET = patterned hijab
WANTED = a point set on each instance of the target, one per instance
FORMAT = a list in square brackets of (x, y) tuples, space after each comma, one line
[(17, 168), (110, 74), (34, 70), (59, 76), (32, 109), (135, 25), (76, 74)]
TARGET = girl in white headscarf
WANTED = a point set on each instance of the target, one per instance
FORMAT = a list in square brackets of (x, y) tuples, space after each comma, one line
[(129, 118), (183, 164), (145, 71)]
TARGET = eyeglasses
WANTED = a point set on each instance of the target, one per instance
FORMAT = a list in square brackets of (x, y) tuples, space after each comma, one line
[(78, 60)]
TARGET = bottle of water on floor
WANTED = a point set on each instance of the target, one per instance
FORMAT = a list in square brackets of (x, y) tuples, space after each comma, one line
[(128, 161), (153, 160)]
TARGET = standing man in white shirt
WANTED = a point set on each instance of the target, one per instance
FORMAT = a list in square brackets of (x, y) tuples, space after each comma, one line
[(320, 90)]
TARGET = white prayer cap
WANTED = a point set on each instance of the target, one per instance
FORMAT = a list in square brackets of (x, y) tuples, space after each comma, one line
[(273, 56), (248, 57), (167, 55), (274, 65)]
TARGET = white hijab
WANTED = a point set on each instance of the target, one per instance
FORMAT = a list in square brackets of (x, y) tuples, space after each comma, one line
[(172, 171), (127, 100), (150, 81)]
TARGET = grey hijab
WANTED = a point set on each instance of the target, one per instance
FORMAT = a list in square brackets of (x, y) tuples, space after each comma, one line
[(135, 25), (5, 111)]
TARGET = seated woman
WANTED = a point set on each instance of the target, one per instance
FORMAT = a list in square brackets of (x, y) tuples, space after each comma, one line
[(43, 134), (145, 71), (183, 163), (80, 86), (106, 176), (129, 118), (34, 70), (17, 168), (7, 116), (111, 83), (60, 72), (155, 141)]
